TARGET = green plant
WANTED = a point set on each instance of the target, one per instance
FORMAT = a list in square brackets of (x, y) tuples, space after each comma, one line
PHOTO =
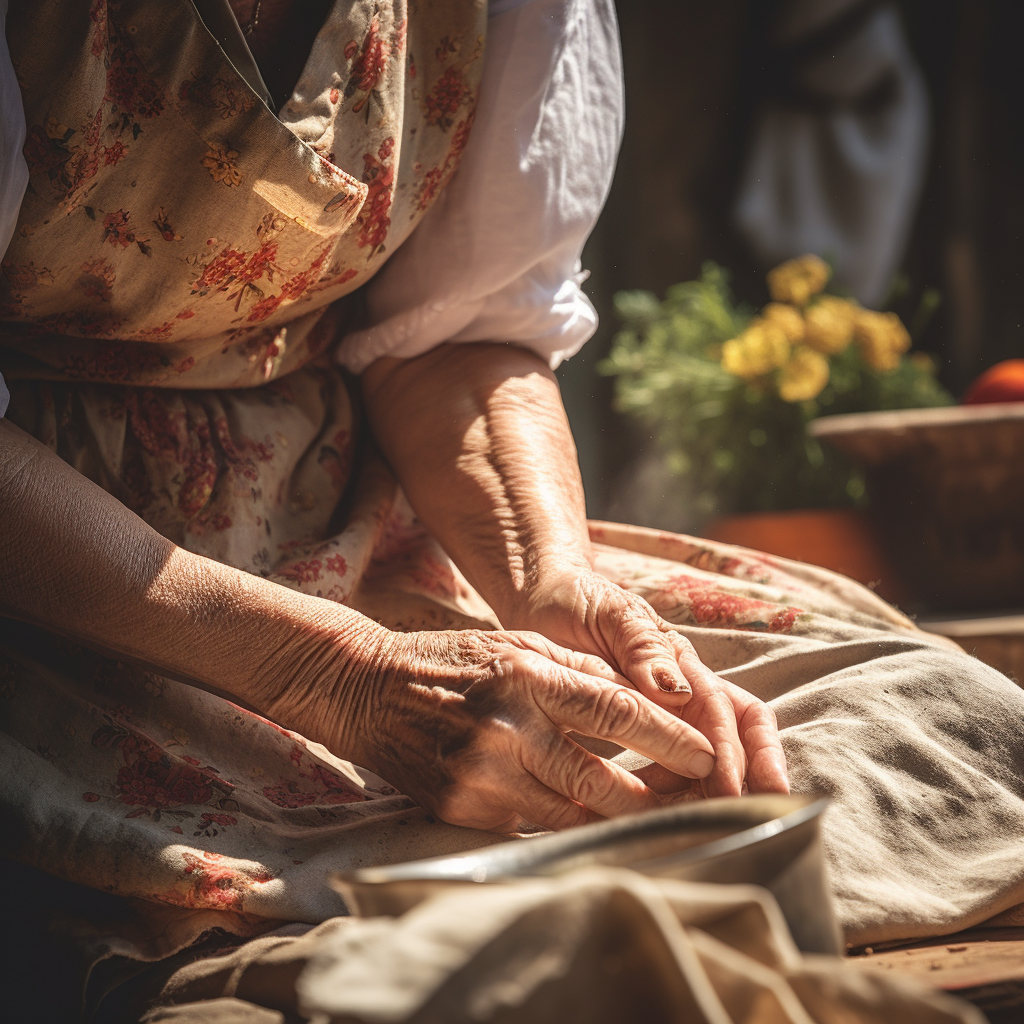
[(728, 392)]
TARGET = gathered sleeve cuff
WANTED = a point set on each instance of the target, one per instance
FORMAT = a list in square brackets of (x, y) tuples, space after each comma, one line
[(497, 257)]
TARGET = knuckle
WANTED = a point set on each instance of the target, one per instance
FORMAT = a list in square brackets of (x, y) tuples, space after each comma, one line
[(618, 712), (594, 784)]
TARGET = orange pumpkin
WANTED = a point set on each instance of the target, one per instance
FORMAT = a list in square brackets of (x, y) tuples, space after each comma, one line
[(1003, 382)]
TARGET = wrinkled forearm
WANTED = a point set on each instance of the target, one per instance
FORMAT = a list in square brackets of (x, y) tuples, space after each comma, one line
[(478, 438), (76, 561)]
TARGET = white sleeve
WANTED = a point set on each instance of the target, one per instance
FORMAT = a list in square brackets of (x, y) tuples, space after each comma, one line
[(13, 169), (497, 257)]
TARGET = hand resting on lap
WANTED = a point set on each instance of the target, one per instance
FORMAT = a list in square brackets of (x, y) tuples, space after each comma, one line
[(473, 725)]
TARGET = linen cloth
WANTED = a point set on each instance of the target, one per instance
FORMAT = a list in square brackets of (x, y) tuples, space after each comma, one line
[(601, 945)]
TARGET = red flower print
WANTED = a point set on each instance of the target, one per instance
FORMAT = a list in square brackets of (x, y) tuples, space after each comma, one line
[(374, 217), (336, 564), (369, 65), (220, 819), (264, 308), (709, 606), (98, 16), (97, 279), (208, 824), (90, 798), (302, 572), (118, 231), (434, 577), (116, 228), (232, 267), (162, 224), (215, 883), (114, 152), (130, 90), (450, 91), (437, 177)]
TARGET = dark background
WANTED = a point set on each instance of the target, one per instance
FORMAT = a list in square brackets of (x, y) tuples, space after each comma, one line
[(694, 74)]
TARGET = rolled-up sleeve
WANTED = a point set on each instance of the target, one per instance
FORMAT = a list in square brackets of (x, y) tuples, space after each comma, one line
[(13, 169), (497, 257)]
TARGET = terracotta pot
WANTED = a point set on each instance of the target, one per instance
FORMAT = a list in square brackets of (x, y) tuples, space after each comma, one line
[(838, 539)]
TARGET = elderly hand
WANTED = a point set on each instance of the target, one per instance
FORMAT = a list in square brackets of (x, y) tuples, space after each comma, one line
[(582, 610), (474, 726)]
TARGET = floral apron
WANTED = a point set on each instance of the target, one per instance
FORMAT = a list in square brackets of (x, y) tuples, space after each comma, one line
[(183, 262)]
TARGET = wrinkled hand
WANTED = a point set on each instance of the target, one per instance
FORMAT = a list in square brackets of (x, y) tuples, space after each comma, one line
[(473, 725), (586, 612)]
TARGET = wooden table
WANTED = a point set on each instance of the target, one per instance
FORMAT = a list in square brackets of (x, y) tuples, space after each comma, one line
[(985, 966)]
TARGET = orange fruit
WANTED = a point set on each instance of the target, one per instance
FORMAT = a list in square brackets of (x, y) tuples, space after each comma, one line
[(1003, 382)]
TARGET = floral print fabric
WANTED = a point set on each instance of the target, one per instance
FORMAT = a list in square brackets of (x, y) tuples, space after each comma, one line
[(176, 232)]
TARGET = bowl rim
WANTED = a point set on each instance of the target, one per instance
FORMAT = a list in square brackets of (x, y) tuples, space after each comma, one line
[(503, 861), (901, 420)]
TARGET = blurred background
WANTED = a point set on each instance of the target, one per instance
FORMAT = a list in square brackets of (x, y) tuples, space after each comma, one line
[(884, 136)]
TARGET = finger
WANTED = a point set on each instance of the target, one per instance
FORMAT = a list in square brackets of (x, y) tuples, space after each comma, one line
[(589, 664), (759, 733), (695, 671), (714, 714), (643, 652), (580, 703), (586, 779)]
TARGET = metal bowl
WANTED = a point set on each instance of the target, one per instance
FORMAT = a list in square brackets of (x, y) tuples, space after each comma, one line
[(767, 840)]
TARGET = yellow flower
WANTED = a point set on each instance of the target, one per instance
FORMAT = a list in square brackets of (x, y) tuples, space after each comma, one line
[(761, 348), (798, 280), (830, 323), (882, 339), (804, 376), (787, 318), (221, 164)]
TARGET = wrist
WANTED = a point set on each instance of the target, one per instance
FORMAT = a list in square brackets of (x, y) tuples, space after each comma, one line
[(302, 661), (549, 591)]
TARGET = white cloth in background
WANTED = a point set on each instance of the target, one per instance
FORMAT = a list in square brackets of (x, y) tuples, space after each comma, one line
[(842, 183), (497, 257), (13, 169)]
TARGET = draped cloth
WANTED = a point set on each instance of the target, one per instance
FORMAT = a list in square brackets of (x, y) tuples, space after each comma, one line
[(189, 379)]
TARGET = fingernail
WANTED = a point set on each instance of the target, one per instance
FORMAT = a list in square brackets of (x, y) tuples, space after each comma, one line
[(667, 682), (701, 764)]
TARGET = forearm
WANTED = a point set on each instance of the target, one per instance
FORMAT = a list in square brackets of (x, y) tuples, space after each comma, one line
[(478, 438), (74, 560)]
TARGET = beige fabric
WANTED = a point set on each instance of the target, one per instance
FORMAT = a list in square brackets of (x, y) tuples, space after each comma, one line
[(600, 946)]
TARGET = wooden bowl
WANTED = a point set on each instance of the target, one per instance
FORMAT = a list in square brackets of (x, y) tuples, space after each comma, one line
[(947, 497)]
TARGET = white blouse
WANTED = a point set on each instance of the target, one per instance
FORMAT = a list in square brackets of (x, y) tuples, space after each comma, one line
[(497, 257)]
